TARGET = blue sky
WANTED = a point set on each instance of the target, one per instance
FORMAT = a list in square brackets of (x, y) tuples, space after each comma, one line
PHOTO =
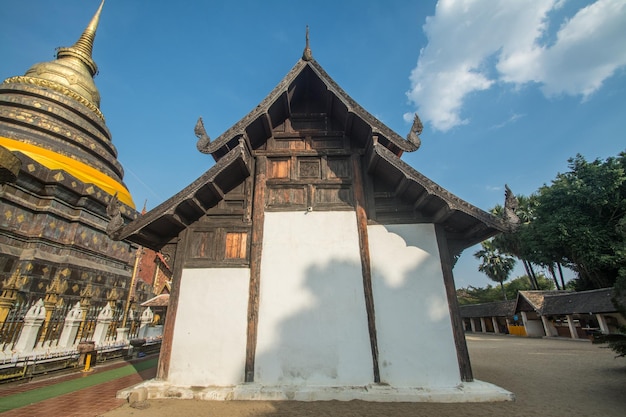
[(508, 90)]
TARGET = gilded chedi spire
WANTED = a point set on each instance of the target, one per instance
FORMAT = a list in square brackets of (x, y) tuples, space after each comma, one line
[(72, 72), (83, 47), (52, 115)]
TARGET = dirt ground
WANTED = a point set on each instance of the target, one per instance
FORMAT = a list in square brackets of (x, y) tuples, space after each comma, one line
[(549, 377)]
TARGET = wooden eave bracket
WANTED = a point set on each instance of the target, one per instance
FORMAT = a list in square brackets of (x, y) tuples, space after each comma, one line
[(168, 210), (378, 154)]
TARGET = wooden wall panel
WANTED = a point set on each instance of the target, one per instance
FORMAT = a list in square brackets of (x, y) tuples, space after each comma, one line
[(287, 144), (236, 245), (326, 143), (278, 168), (286, 196), (333, 196), (309, 168), (202, 245), (338, 168)]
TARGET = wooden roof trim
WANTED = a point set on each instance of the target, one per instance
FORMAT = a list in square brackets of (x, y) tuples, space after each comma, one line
[(432, 189), (280, 93), (168, 209), (378, 128), (240, 127)]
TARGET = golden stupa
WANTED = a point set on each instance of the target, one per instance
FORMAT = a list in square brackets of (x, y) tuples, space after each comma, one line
[(52, 114), (58, 175)]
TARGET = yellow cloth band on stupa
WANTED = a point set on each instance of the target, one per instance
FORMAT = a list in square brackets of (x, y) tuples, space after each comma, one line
[(80, 170)]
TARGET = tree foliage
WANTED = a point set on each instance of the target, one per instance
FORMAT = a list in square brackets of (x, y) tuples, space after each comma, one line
[(488, 294), (578, 221), (495, 264)]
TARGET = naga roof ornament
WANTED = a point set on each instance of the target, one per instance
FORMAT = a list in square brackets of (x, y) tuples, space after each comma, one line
[(416, 130), (203, 138)]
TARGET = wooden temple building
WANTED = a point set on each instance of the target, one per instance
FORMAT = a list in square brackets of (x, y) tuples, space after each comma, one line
[(59, 172), (310, 262)]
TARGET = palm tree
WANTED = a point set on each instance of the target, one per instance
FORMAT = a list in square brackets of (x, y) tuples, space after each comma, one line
[(496, 265)]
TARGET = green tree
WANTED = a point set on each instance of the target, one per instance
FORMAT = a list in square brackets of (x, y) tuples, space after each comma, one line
[(513, 243), (489, 294), (576, 222), (495, 264)]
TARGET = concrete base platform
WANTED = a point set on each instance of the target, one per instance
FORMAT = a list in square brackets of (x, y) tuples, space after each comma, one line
[(476, 391)]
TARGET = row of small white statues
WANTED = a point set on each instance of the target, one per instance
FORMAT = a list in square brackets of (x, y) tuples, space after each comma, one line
[(36, 315)]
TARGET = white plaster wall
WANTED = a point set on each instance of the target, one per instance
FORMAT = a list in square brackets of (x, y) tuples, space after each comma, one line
[(312, 317), (534, 328), (209, 343), (415, 340)]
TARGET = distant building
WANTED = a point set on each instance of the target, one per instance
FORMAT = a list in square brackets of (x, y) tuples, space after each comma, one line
[(567, 314)]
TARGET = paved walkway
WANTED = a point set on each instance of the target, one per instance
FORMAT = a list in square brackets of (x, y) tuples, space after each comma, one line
[(76, 394), (550, 378)]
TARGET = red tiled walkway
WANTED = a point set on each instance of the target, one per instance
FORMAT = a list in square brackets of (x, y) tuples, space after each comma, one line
[(87, 402), (23, 386)]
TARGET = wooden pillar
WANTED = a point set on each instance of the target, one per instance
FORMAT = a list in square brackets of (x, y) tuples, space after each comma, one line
[(172, 308), (483, 325), (524, 320), (604, 328), (472, 325), (572, 326), (361, 217), (547, 328), (256, 251), (453, 306), (496, 326)]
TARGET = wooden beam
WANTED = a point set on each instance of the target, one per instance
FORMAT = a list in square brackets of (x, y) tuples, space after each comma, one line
[(421, 199), (474, 230), (361, 217), (165, 355), (256, 248), (348, 125), (442, 214), (200, 207), (174, 219), (402, 187), (462, 353), (216, 190)]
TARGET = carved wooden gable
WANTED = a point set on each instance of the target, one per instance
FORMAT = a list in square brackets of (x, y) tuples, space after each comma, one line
[(303, 143)]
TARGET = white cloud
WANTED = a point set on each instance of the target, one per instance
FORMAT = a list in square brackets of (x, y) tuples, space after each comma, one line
[(473, 44), (514, 117)]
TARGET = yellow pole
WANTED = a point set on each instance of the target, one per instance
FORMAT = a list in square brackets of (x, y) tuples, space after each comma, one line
[(131, 290), (87, 362)]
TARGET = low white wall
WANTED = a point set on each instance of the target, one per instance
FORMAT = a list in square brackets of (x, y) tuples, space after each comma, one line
[(415, 340), (312, 318), (209, 343)]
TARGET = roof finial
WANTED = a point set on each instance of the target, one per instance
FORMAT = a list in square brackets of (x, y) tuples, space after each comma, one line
[(307, 55), (83, 48)]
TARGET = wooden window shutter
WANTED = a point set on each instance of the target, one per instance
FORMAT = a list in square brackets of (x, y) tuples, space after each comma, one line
[(236, 245)]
